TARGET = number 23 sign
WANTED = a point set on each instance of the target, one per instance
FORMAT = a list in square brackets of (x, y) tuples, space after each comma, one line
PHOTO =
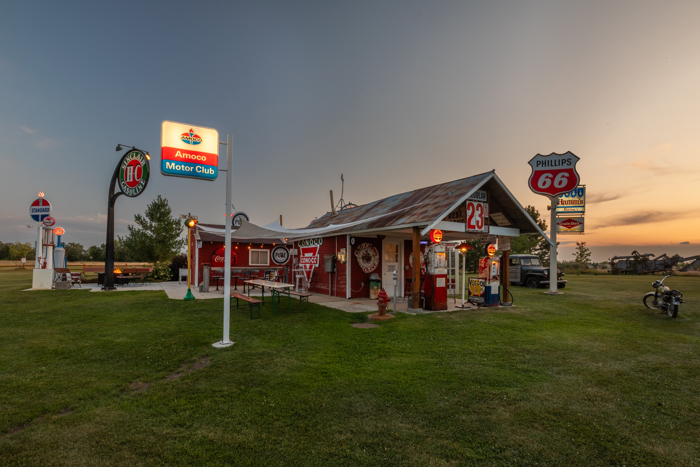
[(554, 174)]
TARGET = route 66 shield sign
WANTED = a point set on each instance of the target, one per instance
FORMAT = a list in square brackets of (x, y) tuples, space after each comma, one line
[(553, 175)]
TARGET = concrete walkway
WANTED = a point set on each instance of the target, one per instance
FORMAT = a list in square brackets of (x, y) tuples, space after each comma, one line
[(176, 291)]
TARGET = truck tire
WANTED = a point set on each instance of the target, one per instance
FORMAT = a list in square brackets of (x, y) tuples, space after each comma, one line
[(532, 282)]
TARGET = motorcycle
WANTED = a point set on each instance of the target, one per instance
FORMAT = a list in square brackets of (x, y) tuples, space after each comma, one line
[(663, 298)]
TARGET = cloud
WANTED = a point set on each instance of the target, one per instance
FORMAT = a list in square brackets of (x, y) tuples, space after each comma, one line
[(641, 217), (28, 131), (601, 198), (657, 160), (685, 243), (46, 143)]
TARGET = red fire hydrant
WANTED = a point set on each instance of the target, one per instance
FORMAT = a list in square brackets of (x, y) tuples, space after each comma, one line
[(382, 300)]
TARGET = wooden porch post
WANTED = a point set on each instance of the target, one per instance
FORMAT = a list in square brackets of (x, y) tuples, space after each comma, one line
[(415, 291)]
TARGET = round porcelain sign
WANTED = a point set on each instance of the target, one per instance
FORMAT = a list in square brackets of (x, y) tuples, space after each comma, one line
[(280, 255), (134, 170)]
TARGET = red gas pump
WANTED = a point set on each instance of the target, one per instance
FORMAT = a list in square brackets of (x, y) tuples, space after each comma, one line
[(435, 286)]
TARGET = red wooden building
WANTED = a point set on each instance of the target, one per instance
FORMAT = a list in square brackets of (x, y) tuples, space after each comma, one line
[(380, 237)]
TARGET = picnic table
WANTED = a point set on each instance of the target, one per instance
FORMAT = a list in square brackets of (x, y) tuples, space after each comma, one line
[(276, 289)]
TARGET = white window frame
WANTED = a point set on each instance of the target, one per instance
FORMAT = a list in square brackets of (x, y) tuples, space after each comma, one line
[(250, 258)]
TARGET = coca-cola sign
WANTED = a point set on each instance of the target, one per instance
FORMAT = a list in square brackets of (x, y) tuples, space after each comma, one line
[(218, 258)]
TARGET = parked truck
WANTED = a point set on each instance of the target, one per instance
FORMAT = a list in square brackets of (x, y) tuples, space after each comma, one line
[(527, 270)]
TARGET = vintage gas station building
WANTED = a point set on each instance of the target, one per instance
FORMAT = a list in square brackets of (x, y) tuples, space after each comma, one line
[(378, 237)]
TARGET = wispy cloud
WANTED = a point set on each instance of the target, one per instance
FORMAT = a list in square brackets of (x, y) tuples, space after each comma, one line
[(660, 161), (28, 131), (641, 217), (602, 198)]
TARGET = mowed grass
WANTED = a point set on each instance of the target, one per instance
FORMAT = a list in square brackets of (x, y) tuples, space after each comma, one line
[(590, 377)]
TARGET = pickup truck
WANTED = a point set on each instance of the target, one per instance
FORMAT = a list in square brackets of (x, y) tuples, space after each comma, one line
[(528, 271)]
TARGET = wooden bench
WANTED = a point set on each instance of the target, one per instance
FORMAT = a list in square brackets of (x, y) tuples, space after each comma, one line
[(135, 274), (66, 275), (303, 297), (251, 302)]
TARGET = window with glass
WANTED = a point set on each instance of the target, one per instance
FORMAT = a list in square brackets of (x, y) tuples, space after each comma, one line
[(525, 261), (259, 258), (391, 253)]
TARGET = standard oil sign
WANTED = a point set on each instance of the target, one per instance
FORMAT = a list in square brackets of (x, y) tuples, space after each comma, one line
[(189, 151)]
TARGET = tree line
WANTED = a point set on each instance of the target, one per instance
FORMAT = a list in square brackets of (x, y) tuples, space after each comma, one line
[(155, 238)]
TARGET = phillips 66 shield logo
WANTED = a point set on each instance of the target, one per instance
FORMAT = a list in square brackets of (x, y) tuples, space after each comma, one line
[(134, 170), (553, 175)]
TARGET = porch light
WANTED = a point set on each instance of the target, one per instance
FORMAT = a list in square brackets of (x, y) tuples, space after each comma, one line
[(464, 247)]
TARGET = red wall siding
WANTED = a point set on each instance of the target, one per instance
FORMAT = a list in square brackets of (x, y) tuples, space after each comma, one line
[(357, 275), (242, 254)]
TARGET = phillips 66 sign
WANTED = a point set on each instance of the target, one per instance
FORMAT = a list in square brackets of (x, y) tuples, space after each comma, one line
[(553, 175)]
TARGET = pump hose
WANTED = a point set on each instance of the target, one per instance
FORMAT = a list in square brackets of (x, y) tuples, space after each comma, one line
[(512, 299)]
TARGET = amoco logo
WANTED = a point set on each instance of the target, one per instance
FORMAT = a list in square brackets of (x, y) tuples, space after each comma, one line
[(191, 138)]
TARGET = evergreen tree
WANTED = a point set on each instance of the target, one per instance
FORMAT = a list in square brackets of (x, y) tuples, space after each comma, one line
[(582, 255), (157, 235)]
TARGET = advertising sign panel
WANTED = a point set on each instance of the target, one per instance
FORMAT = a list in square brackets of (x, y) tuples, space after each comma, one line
[(477, 290), (189, 151), (570, 225), (573, 202), (308, 258), (134, 172), (554, 174), (218, 259)]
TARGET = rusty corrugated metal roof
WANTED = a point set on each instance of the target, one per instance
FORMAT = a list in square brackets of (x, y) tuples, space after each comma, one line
[(420, 206)]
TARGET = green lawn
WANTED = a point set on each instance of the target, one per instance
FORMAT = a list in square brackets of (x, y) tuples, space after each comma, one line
[(590, 377)]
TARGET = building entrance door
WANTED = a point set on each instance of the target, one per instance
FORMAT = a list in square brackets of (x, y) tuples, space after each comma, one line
[(391, 261)]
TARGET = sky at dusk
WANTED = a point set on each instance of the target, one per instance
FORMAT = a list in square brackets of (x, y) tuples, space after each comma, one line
[(396, 95)]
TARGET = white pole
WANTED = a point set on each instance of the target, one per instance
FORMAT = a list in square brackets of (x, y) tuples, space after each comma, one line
[(226, 341), (553, 248), (38, 247)]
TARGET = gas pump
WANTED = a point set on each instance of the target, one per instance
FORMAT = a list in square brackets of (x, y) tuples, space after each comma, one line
[(435, 286), (489, 270)]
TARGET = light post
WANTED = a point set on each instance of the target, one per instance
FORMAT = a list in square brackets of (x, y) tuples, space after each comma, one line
[(189, 223), (132, 173), (463, 248)]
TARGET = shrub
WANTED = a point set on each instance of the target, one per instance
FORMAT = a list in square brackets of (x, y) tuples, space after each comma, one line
[(161, 271), (179, 261)]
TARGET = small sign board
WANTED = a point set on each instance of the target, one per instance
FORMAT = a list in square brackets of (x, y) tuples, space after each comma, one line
[(504, 243), (477, 290), (485, 238), (572, 202), (40, 209), (189, 151), (49, 221), (570, 225)]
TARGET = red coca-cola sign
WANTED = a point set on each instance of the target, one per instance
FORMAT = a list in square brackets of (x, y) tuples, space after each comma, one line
[(219, 257)]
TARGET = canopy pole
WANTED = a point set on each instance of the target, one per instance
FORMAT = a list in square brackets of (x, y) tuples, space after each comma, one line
[(415, 285)]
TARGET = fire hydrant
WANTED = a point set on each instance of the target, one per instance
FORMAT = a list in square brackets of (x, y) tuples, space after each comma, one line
[(382, 300)]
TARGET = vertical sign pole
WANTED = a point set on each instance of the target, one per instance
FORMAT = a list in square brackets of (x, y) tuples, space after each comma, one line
[(553, 248), (226, 341), (188, 295), (38, 247), (464, 275)]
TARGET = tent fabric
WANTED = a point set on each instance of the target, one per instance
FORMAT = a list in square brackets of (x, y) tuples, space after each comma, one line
[(248, 230)]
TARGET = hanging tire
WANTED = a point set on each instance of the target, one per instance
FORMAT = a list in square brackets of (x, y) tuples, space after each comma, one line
[(532, 283), (672, 311), (649, 300)]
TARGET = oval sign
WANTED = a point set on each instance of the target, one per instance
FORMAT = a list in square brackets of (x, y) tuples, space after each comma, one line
[(134, 171), (48, 221), (436, 236), (59, 230), (236, 220), (218, 259), (490, 249), (280, 255)]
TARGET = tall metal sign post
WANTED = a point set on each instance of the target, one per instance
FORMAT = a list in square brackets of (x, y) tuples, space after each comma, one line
[(132, 174), (553, 175), (193, 152)]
